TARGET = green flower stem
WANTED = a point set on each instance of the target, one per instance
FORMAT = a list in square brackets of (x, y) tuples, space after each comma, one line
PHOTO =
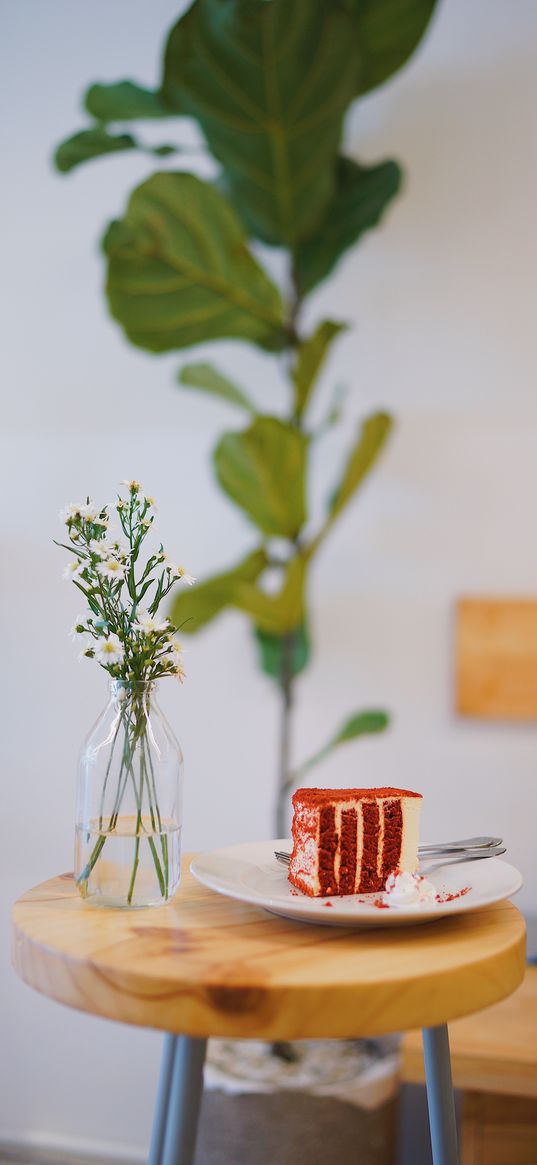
[(139, 799), (134, 868), (162, 833), (107, 773), (139, 735), (96, 851), (82, 879), (162, 884)]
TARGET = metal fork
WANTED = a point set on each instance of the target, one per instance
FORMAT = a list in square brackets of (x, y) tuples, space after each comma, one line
[(472, 848)]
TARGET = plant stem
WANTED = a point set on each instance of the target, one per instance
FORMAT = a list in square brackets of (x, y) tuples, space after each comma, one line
[(286, 688), (286, 678)]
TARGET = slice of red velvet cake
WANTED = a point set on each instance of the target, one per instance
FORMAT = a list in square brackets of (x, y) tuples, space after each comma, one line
[(347, 841)]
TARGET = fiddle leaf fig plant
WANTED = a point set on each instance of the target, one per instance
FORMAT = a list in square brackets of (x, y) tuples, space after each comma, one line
[(269, 84)]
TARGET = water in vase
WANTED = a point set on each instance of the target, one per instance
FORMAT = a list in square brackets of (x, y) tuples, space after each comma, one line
[(133, 863)]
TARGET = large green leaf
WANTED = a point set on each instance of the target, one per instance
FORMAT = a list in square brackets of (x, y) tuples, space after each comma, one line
[(369, 443), (197, 605), (125, 101), (278, 653), (97, 142), (361, 197), (207, 378), (269, 84), (310, 357), (371, 439), (359, 724), (276, 614), (388, 33), (89, 144), (179, 270), (262, 469)]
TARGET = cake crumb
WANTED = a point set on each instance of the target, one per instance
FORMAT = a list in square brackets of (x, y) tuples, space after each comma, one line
[(453, 896)]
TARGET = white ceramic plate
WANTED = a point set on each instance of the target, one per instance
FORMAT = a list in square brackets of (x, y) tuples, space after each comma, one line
[(251, 873)]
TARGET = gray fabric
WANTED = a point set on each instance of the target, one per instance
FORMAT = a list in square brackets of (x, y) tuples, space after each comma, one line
[(293, 1128)]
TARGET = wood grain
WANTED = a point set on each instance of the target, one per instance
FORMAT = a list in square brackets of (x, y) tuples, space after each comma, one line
[(498, 1130), (207, 965), (495, 1051), (496, 658)]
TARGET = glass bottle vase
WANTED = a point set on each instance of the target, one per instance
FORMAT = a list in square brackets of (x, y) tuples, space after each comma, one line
[(129, 802)]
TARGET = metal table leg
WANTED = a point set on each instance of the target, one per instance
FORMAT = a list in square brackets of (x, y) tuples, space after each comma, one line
[(440, 1099), (161, 1106), (176, 1123)]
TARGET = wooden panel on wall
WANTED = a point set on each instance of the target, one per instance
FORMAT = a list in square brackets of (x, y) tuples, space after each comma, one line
[(496, 658), (498, 1130), (492, 1051)]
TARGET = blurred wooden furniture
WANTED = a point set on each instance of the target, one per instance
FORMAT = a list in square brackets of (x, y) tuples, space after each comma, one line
[(494, 1061), (496, 658), (206, 965)]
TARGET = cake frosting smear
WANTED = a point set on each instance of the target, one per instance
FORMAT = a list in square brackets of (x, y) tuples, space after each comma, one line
[(352, 841), (404, 889)]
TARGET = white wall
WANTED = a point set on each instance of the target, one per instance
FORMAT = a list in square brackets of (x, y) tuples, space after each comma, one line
[(444, 300)]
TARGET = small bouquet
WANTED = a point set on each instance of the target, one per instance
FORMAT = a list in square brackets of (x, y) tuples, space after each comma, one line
[(126, 636), (128, 793)]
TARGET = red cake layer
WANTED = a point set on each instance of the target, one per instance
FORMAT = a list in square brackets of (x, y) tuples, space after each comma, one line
[(369, 879), (349, 836), (316, 797), (340, 850)]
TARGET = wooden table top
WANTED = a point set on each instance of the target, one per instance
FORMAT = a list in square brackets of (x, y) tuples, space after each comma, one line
[(208, 965)]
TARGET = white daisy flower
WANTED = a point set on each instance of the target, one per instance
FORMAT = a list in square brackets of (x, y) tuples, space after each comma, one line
[(87, 651), (79, 626), (148, 623), (116, 550), (89, 511), (134, 486), (99, 547), (173, 658), (181, 573), (109, 650), (106, 548), (150, 501), (103, 521), (71, 512), (112, 569), (175, 668), (73, 569), (169, 564), (146, 523)]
